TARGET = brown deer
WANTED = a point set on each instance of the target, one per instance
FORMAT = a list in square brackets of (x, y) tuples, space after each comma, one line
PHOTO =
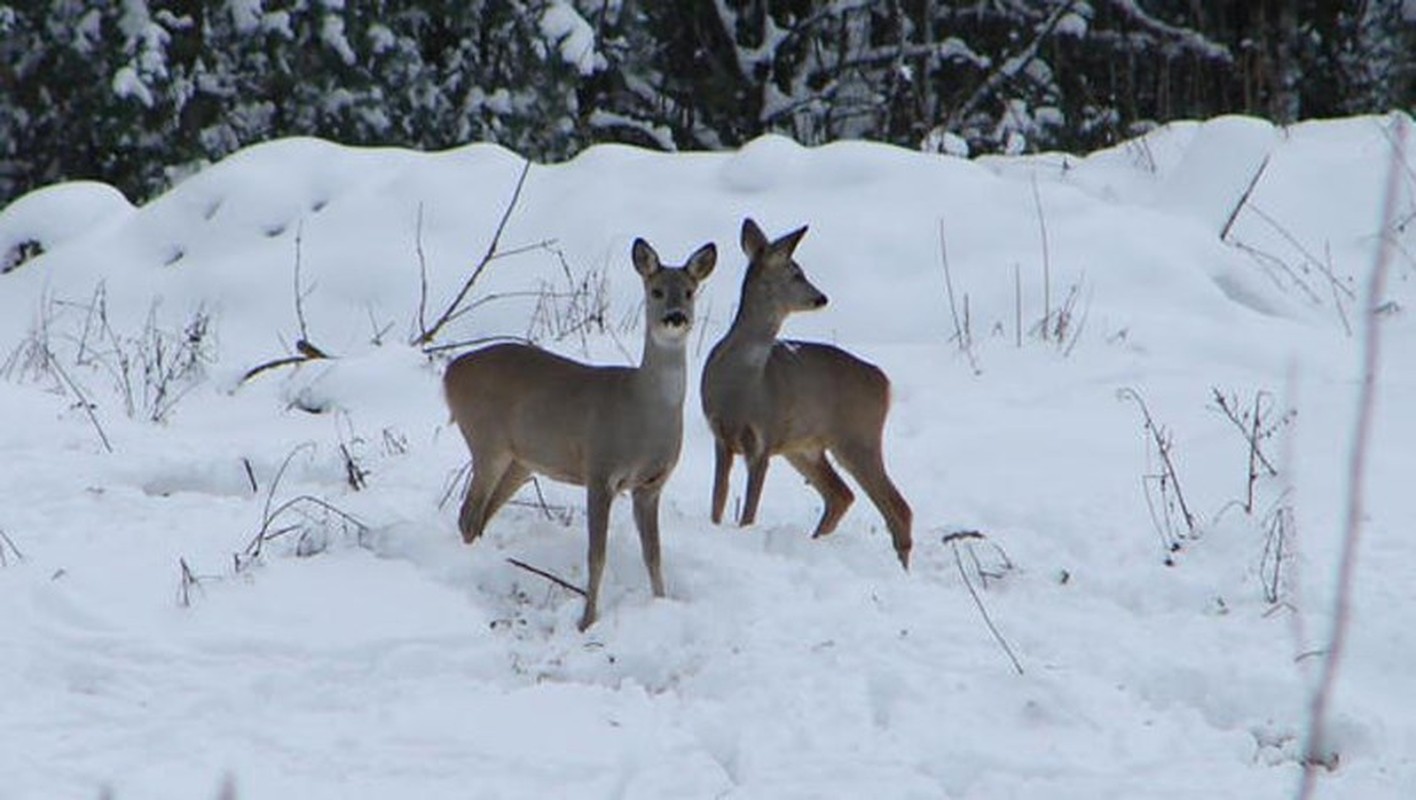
[(525, 411), (765, 397)]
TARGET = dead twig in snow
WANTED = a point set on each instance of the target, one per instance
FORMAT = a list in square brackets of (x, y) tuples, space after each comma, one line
[(556, 579), (1275, 267), (953, 540), (84, 403), (1169, 478), (7, 542), (481, 340), (565, 515), (458, 479), (299, 290), (1322, 267), (1163, 445), (1336, 300), (422, 272), (253, 550), (1046, 260), (1017, 306), (355, 474), (961, 333), (314, 533), (1255, 426), (1280, 529), (305, 349), (186, 583), (1243, 199), (250, 475)]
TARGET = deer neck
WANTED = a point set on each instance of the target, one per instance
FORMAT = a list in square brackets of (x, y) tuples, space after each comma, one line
[(753, 332), (662, 375)]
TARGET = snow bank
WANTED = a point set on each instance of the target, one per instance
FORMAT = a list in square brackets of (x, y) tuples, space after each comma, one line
[(150, 651), (46, 218)]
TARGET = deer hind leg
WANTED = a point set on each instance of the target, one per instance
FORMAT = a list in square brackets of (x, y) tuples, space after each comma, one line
[(865, 464), (722, 467), (834, 492), (487, 474), (646, 518), (512, 479)]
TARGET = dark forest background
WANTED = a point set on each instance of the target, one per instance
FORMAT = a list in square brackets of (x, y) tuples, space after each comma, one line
[(140, 92)]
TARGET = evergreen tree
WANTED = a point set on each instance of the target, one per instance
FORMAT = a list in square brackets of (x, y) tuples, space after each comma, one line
[(136, 92)]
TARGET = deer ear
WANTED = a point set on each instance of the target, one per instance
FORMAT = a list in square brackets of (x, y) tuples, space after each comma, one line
[(788, 243), (701, 263), (753, 242), (645, 259)]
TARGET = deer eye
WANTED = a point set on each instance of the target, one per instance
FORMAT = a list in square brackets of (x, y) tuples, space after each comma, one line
[(688, 293), (658, 294)]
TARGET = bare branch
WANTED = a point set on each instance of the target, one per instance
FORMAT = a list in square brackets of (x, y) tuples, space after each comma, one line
[(1270, 262), (422, 272), (430, 333), (1009, 66), (83, 400), (557, 580), (1243, 199), (280, 474), (186, 582), (458, 479), (1046, 260), (961, 335), (1249, 429), (274, 363), (1321, 266), (1017, 305), (1356, 474), (1162, 444), (441, 348), (250, 475), (1187, 39), (269, 532), (1336, 300), (299, 291), (544, 244), (305, 349), (355, 475), (7, 542)]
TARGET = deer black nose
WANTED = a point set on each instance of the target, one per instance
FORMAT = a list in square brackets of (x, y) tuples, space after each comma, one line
[(676, 318), (820, 300)]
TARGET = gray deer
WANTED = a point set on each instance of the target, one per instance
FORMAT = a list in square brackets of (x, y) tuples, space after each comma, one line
[(525, 411), (764, 397)]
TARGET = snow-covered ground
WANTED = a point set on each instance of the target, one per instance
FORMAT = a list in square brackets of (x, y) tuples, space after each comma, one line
[(392, 660)]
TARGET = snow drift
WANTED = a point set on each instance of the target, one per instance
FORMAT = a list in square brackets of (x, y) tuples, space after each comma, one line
[(152, 652)]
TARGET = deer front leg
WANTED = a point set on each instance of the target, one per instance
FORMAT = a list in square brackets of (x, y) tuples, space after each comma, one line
[(646, 518), (597, 512), (756, 476), (722, 467)]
